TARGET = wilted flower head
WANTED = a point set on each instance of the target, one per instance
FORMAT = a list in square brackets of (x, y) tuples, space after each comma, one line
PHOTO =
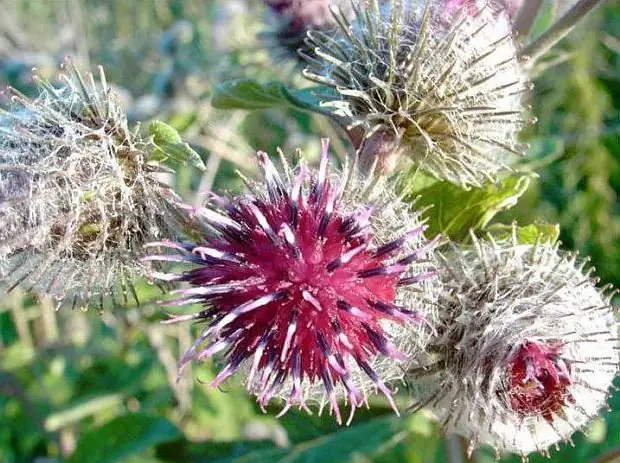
[(293, 18), (526, 351), (446, 92), (77, 199), (305, 280)]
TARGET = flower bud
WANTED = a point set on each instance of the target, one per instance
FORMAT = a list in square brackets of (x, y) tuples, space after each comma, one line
[(77, 199), (449, 90), (526, 351), (305, 281)]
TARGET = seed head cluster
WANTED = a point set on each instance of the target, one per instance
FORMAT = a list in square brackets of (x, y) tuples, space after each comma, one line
[(526, 350), (304, 282), (77, 199), (447, 89)]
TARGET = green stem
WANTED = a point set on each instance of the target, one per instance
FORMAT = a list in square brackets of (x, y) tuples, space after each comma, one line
[(456, 447), (559, 30), (608, 457)]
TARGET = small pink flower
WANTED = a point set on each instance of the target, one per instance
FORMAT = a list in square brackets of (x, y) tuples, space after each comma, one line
[(539, 380)]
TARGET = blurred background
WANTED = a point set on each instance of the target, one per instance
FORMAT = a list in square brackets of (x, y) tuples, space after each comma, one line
[(88, 387)]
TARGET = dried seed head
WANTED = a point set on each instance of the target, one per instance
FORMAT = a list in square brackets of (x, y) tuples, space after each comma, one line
[(449, 91), (305, 281), (526, 351), (291, 19), (77, 199)]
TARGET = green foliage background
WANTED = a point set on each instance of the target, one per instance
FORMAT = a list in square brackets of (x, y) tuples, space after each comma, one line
[(83, 387)]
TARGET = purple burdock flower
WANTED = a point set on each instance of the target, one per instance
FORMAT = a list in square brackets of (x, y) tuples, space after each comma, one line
[(539, 380), (304, 281), (291, 20)]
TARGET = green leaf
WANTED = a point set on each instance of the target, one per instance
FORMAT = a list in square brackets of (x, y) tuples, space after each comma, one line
[(383, 439), (251, 95), (209, 451), (307, 99), (183, 121), (301, 427), (122, 437), (528, 234), (454, 211), (248, 94), (170, 146), (545, 18), (411, 183)]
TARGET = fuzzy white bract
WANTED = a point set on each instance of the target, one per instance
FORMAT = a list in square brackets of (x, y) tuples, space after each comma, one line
[(527, 347), (500, 7), (77, 197), (448, 89)]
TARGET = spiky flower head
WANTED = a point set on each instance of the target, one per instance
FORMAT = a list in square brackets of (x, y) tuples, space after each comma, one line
[(447, 93), (473, 7), (291, 19), (77, 199), (527, 347), (304, 282)]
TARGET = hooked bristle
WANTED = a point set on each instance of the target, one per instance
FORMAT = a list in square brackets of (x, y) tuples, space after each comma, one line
[(444, 93), (526, 351)]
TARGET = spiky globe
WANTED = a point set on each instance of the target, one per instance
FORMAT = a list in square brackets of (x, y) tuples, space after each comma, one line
[(305, 281), (526, 351), (78, 200), (442, 92)]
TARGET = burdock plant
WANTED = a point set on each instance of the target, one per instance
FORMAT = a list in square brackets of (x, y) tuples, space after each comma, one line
[(78, 199), (526, 349), (305, 282), (523, 347), (324, 287)]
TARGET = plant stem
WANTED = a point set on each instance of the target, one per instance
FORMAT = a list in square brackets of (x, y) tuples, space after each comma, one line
[(608, 457), (456, 449), (525, 18), (560, 29)]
